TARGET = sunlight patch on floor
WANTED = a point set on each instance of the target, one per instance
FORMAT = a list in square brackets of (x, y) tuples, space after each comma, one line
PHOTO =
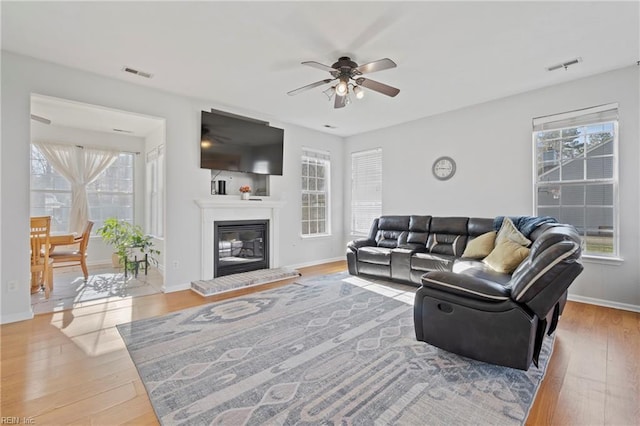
[(104, 282), (402, 292)]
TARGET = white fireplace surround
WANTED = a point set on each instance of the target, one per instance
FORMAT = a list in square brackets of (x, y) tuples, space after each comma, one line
[(231, 207)]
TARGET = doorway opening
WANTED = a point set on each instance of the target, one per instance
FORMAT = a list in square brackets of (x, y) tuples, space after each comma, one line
[(121, 155)]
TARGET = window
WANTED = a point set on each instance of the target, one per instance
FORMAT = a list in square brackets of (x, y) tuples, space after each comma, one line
[(155, 192), (111, 194), (366, 189), (576, 169), (315, 192)]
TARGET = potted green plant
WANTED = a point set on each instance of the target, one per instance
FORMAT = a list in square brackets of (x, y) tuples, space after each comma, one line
[(125, 238)]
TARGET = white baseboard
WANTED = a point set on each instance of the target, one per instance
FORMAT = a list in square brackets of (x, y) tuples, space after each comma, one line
[(605, 303), (316, 262), (174, 288), (20, 316), (103, 262)]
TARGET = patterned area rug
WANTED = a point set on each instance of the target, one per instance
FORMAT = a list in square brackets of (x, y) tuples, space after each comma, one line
[(243, 279), (332, 350)]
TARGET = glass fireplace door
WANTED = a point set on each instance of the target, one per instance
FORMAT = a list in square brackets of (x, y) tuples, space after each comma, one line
[(240, 246)]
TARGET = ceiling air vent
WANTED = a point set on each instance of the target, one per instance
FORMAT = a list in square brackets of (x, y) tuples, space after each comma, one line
[(565, 65), (137, 72)]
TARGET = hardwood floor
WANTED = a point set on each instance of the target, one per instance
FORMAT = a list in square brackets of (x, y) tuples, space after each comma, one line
[(72, 367)]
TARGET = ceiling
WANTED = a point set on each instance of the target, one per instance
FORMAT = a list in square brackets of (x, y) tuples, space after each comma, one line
[(246, 55)]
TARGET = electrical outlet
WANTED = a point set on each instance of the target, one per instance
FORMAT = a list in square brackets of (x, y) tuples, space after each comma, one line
[(13, 286)]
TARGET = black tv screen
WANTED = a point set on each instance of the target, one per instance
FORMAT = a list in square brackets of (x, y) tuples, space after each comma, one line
[(240, 145)]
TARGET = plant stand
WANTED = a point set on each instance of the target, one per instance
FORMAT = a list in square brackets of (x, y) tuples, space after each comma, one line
[(136, 263)]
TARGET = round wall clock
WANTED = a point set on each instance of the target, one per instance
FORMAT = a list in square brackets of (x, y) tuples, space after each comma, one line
[(444, 168)]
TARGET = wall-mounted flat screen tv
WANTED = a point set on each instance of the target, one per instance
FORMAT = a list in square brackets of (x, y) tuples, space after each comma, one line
[(241, 145)]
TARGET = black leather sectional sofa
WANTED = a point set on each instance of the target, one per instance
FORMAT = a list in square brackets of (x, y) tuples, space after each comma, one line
[(463, 305)]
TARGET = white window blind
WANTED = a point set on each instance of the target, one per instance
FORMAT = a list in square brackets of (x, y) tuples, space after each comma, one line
[(576, 169), (316, 166), (366, 189)]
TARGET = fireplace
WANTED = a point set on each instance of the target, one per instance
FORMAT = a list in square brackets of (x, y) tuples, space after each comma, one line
[(219, 208), (240, 246)]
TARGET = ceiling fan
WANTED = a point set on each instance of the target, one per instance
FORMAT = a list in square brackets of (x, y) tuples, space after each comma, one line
[(348, 75)]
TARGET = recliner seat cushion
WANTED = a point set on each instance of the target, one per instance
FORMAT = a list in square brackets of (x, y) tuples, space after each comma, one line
[(377, 255), (477, 268), (431, 262)]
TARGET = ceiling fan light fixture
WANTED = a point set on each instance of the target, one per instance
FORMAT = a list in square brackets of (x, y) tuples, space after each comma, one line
[(342, 88), (357, 90), (330, 92)]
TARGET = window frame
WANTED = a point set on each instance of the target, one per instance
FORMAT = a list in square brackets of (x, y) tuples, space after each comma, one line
[(90, 192), (581, 118), (324, 158)]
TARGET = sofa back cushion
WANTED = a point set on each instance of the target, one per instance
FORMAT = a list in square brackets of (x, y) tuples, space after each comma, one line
[(389, 230), (418, 230), (478, 226), (448, 235), (546, 274)]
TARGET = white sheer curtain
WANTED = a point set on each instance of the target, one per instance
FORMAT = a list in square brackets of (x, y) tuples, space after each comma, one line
[(80, 166)]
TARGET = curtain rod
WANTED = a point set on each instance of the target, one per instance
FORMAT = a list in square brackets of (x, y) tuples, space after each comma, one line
[(119, 150)]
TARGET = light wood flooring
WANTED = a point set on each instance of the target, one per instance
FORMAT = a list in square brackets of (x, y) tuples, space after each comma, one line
[(72, 367)]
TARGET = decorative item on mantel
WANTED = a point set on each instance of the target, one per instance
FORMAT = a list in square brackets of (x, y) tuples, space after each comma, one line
[(245, 192)]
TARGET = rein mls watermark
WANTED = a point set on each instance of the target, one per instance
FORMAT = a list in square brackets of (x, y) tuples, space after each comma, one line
[(15, 420)]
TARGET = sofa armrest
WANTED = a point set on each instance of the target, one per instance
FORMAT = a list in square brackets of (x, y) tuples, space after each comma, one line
[(361, 242), (466, 286), (352, 252)]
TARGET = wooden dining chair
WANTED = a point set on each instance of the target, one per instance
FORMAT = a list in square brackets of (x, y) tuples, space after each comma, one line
[(41, 263), (74, 256)]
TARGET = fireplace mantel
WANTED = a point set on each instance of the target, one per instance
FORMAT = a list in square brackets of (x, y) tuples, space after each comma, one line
[(234, 201), (231, 207)]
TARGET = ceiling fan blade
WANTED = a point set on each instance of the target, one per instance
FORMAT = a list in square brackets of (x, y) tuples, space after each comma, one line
[(309, 86), (320, 66), (340, 102), (377, 86), (379, 65), (40, 119)]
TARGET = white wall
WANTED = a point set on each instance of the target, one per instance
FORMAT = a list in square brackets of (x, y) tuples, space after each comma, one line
[(185, 181), (296, 250), (491, 144)]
